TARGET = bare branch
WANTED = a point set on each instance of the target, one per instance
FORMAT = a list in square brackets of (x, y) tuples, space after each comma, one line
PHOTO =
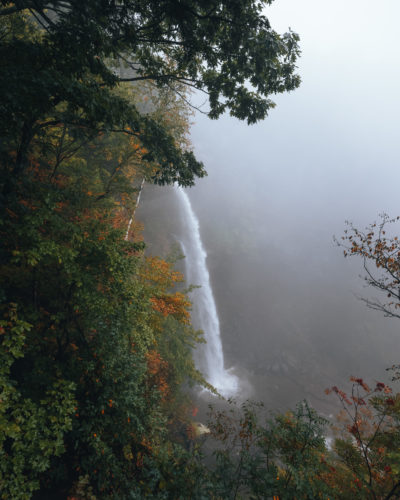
[(187, 102)]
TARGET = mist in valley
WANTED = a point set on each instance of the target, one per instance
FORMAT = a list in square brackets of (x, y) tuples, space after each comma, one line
[(276, 194)]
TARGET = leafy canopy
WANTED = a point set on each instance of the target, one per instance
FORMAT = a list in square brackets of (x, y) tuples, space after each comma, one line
[(60, 61)]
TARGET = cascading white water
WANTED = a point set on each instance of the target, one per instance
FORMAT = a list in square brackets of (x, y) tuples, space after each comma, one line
[(210, 358)]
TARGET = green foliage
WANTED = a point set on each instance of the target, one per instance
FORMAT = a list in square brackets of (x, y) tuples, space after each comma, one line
[(32, 429), (286, 456), (85, 364), (59, 59), (76, 371), (278, 458)]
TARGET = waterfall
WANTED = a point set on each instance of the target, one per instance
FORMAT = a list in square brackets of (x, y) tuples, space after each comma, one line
[(209, 357)]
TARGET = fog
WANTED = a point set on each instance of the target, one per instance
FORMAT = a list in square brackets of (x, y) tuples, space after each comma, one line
[(278, 191)]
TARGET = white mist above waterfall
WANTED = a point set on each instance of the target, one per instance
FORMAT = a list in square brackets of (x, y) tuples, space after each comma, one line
[(209, 357)]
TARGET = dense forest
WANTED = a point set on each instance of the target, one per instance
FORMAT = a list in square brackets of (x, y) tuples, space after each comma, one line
[(96, 340)]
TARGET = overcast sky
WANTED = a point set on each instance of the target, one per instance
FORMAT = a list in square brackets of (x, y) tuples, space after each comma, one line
[(336, 137)]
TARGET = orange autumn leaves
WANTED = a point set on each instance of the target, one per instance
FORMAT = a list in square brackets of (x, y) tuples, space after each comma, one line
[(159, 271), (367, 444), (163, 278), (157, 370), (172, 304), (166, 303), (380, 252)]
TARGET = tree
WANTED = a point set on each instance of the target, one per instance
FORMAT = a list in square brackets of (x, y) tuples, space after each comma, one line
[(91, 324), (87, 367), (32, 428), (366, 460), (59, 59), (379, 249), (287, 456), (260, 457)]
